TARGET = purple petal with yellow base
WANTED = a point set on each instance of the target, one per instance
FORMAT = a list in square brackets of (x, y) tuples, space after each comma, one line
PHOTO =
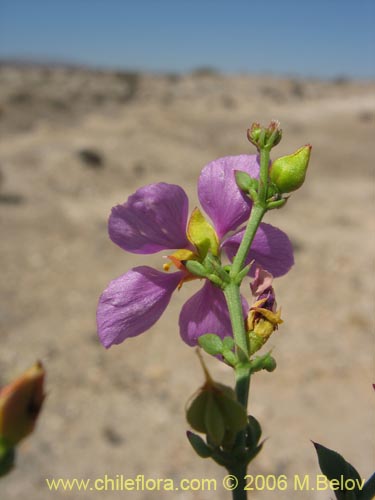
[(206, 312), (219, 195), (271, 248), (154, 218), (132, 303)]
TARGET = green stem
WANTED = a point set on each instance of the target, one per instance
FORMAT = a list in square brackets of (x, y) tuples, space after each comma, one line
[(263, 174), (234, 303), (233, 298), (239, 493), (256, 216), (257, 213)]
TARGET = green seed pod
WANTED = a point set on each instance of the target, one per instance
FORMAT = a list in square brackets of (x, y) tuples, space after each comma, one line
[(288, 172), (196, 412), (214, 421), (225, 390), (229, 439), (234, 414)]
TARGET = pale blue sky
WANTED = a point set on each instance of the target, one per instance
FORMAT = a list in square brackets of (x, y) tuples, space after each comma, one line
[(323, 38)]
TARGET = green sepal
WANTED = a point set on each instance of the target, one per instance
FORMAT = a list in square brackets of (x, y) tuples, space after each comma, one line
[(195, 414), (202, 234), (198, 445), (214, 267), (253, 432), (251, 454), (196, 268), (211, 343), (214, 421), (271, 205), (216, 280), (272, 191), (209, 262), (7, 457), (230, 357), (243, 273), (334, 466)]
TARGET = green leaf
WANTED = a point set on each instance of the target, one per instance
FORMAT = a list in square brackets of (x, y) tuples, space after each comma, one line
[(335, 467), (199, 446), (368, 491), (211, 343)]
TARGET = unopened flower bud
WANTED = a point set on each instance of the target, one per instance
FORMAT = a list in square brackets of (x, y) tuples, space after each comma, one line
[(245, 182), (265, 136), (20, 404), (288, 172)]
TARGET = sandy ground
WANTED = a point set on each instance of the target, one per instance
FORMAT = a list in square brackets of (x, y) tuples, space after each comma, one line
[(121, 411)]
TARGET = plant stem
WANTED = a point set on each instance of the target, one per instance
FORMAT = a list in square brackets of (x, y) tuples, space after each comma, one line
[(258, 210), (239, 493), (263, 174), (234, 302), (256, 216)]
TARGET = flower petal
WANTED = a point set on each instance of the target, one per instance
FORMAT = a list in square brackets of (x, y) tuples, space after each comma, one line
[(271, 249), (206, 312), (219, 195), (154, 218), (132, 303)]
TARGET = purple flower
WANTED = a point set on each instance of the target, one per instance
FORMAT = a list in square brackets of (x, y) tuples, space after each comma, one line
[(155, 218)]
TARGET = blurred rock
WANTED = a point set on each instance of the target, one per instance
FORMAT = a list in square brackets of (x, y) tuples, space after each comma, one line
[(91, 158)]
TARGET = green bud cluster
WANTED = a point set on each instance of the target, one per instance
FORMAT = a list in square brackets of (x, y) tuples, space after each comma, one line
[(265, 137), (214, 345)]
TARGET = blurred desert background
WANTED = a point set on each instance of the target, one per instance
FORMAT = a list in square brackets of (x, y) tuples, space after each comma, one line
[(76, 141)]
